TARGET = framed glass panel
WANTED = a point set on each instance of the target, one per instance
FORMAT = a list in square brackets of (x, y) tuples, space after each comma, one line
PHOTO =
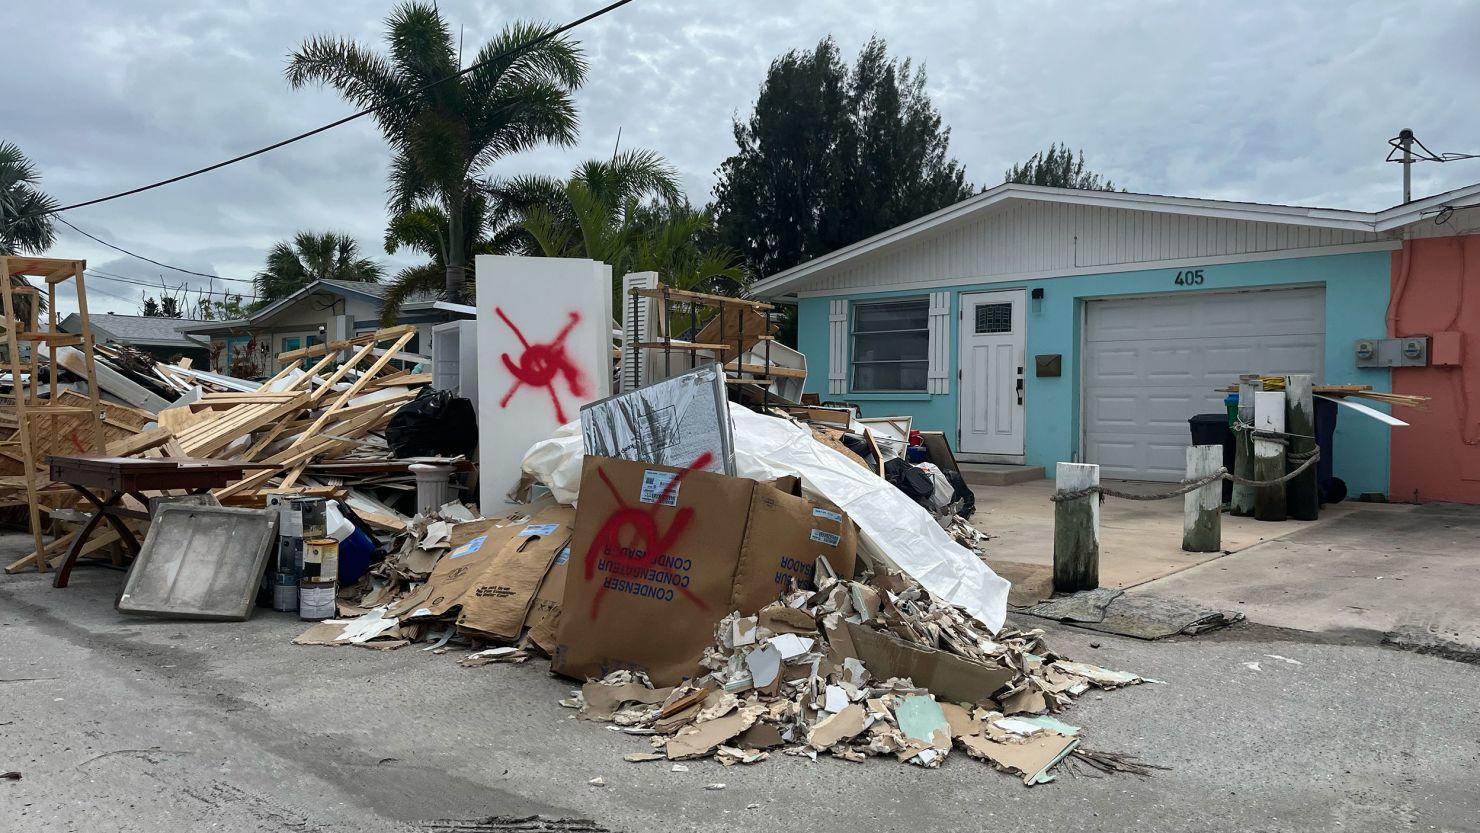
[(993, 318), (891, 345)]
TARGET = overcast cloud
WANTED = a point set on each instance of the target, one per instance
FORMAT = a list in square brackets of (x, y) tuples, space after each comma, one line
[(1277, 102)]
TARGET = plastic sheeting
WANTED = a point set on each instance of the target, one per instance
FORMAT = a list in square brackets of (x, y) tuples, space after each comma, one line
[(893, 529)]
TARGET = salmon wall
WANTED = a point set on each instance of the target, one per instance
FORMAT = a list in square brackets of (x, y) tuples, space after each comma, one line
[(1436, 290)]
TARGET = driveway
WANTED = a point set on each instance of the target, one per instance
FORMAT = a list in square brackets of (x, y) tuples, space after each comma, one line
[(1406, 573)]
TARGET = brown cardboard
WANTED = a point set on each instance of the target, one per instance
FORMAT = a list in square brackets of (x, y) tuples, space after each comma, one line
[(543, 618), (947, 676), (474, 545), (783, 538), (651, 567), (499, 602)]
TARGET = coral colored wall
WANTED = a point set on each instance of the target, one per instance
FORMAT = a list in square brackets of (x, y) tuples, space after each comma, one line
[(1436, 287)]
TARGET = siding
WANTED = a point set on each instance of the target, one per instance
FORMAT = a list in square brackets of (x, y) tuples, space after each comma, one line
[(1023, 237)]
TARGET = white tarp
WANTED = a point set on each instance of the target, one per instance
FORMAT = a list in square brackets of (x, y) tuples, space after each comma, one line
[(894, 529)]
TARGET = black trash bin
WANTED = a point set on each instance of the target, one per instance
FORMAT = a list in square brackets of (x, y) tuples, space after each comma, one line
[(1212, 429)]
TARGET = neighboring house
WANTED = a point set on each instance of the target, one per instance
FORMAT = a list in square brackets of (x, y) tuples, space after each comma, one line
[(1037, 325), (159, 337), (325, 310)]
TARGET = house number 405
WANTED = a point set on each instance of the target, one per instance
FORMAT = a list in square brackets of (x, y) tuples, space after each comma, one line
[(1189, 277)]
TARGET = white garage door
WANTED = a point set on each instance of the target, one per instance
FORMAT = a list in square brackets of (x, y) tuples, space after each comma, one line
[(1150, 363)]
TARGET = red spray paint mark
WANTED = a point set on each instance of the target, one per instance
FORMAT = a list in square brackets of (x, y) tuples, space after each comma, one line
[(541, 363), (76, 441), (644, 526)]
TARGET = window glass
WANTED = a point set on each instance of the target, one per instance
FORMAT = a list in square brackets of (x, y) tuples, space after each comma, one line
[(891, 345)]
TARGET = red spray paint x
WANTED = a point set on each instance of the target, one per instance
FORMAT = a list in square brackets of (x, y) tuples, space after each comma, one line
[(644, 525)]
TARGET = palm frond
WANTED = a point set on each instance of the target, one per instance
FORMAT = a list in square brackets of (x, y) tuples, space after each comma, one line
[(411, 281)]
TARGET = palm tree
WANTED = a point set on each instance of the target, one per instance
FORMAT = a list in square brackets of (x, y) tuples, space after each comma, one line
[(628, 212), (445, 130), (25, 219), (309, 257)]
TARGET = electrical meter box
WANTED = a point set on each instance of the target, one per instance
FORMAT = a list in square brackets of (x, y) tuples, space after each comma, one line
[(1409, 351)]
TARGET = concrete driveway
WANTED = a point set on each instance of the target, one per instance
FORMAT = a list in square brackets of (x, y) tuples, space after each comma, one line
[(1407, 573), (1140, 541)]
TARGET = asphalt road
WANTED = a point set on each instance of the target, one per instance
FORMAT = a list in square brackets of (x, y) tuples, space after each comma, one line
[(125, 724)]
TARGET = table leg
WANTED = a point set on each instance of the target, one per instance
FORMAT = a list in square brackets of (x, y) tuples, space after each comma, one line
[(87, 530)]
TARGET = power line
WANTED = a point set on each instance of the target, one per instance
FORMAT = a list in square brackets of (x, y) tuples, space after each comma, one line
[(117, 248), (1423, 154), (346, 120), (225, 293)]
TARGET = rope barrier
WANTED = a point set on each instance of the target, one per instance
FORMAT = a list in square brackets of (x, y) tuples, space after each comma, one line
[(1306, 458)]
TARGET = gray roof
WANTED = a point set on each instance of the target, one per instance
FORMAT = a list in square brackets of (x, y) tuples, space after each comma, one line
[(370, 291), (136, 329)]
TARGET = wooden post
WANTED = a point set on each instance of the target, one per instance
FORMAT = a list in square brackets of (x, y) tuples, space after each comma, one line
[(1269, 457), (1243, 461), (1202, 522), (1076, 530), (1302, 496)]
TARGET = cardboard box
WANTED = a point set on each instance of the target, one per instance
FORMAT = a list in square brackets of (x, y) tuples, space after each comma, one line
[(498, 604), (947, 676), (655, 559), (784, 535), (474, 546)]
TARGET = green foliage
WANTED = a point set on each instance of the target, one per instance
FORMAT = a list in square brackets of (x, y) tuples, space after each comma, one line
[(25, 228), (309, 257), (445, 136), (627, 212), (1058, 167), (228, 309), (830, 156)]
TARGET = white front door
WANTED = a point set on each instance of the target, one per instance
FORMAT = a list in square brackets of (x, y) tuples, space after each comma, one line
[(991, 392)]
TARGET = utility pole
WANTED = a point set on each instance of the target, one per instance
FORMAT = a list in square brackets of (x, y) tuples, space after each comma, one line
[(1405, 141)]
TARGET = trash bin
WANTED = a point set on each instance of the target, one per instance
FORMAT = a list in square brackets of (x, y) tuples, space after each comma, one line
[(1331, 487), (1212, 429)]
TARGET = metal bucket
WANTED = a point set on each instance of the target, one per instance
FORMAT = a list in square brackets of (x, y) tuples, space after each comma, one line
[(321, 559), (315, 600), (285, 592)]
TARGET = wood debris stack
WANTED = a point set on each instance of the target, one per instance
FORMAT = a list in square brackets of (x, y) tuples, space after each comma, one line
[(315, 428)]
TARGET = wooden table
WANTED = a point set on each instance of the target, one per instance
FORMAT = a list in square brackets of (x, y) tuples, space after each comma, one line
[(133, 476)]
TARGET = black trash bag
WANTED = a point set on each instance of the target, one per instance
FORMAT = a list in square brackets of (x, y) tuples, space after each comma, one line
[(961, 494), (910, 480), (435, 424)]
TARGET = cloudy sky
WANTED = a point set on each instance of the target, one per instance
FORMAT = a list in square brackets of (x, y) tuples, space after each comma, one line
[(1279, 102)]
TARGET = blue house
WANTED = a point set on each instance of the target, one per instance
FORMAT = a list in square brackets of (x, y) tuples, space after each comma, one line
[(1039, 325)]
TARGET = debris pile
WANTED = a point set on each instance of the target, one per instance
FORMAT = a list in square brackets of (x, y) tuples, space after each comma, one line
[(857, 670), (316, 428)]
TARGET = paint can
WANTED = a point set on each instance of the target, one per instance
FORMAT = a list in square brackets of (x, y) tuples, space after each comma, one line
[(321, 559), (285, 592), (290, 555), (315, 520), (315, 600)]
